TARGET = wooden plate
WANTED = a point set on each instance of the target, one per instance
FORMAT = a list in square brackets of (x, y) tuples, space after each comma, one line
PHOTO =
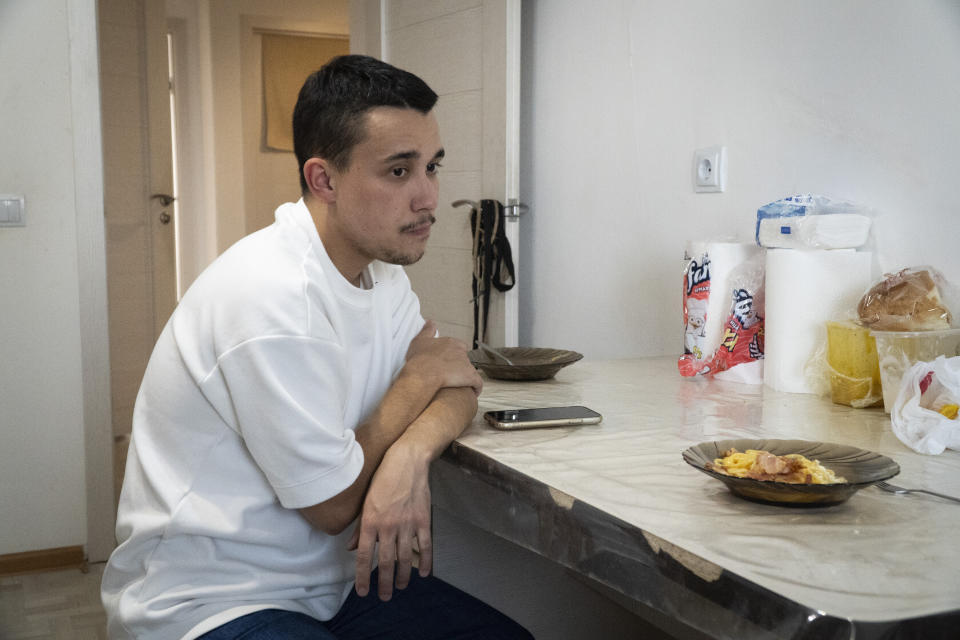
[(529, 363)]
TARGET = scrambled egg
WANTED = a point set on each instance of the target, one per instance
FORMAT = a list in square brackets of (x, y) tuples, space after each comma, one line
[(763, 465)]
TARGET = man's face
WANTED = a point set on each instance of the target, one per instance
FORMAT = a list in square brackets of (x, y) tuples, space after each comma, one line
[(386, 197)]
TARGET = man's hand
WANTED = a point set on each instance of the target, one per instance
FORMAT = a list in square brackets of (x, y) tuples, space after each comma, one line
[(395, 512), (443, 359), (397, 506)]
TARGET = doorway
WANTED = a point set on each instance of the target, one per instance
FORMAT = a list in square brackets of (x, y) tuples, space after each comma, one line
[(206, 50)]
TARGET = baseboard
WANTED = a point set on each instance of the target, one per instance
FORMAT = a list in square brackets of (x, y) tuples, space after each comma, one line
[(42, 560)]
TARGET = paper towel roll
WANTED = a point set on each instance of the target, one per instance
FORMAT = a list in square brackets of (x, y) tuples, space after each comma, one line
[(804, 289), (725, 257)]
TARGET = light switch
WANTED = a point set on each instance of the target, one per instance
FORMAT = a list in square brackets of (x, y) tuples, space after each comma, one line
[(12, 211)]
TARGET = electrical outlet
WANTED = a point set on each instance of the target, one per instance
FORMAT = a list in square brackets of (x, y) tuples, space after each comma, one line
[(710, 169)]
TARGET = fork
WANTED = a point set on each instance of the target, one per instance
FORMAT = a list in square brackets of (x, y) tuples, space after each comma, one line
[(892, 488), (494, 352)]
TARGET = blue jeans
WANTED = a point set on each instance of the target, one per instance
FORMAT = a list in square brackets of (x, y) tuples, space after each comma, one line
[(428, 609)]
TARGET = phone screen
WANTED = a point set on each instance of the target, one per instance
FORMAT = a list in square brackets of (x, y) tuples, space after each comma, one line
[(542, 417)]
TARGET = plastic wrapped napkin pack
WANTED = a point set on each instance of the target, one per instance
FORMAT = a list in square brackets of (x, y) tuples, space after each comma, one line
[(812, 222)]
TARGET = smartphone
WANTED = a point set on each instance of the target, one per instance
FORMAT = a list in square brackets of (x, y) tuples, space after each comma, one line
[(542, 417)]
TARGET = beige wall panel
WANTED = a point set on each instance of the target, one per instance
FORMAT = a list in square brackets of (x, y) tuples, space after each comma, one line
[(442, 281), (452, 229), (403, 13), (458, 331), (461, 131), (442, 43), (455, 39)]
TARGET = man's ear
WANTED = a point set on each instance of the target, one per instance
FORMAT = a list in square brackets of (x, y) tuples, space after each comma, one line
[(318, 174)]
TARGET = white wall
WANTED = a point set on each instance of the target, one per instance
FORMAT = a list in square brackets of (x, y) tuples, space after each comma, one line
[(852, 99), (52, 281)]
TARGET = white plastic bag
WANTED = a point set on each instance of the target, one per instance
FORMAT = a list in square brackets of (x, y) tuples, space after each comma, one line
[(924, 415)]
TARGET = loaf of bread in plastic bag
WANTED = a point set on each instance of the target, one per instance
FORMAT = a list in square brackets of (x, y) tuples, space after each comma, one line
[(909, 300)]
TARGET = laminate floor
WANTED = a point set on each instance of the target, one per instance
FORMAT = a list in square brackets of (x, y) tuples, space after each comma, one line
[(53, 605)]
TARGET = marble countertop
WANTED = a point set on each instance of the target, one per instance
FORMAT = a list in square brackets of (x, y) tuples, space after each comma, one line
[(876, 558)]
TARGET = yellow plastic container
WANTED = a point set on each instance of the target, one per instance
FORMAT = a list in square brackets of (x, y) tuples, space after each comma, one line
[(854, 368)]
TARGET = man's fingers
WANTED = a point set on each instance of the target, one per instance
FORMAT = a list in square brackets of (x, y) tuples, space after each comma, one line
[(354, 539), (477, 384), (429, 329), (424, 341), (366, 542), (387, 557), (425, 545), (404, 560)]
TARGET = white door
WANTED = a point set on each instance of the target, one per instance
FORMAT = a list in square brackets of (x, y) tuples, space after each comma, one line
[(141, 273), (160, 178), (468, 51)]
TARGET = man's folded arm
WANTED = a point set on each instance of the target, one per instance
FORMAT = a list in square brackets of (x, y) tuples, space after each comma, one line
[(404, 401), (437, 372)]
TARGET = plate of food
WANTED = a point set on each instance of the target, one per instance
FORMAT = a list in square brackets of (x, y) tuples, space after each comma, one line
[(790, 472)]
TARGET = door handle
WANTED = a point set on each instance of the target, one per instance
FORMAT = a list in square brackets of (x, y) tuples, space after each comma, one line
[(165, 199)]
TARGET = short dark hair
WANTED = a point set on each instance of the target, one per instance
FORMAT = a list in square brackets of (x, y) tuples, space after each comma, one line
[(328, 120)]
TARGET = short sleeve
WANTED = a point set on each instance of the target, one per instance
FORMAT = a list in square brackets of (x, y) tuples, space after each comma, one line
[(288, 393)]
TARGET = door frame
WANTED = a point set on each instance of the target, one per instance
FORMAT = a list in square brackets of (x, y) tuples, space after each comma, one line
[(160, 165)]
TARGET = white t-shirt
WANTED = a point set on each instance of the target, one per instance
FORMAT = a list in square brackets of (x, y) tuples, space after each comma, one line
[(246, 413)]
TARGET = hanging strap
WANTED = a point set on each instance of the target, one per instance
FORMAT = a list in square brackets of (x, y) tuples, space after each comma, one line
[(492, 261)]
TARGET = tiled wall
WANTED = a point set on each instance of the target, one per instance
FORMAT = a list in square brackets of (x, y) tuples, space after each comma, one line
[(431, 40)]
